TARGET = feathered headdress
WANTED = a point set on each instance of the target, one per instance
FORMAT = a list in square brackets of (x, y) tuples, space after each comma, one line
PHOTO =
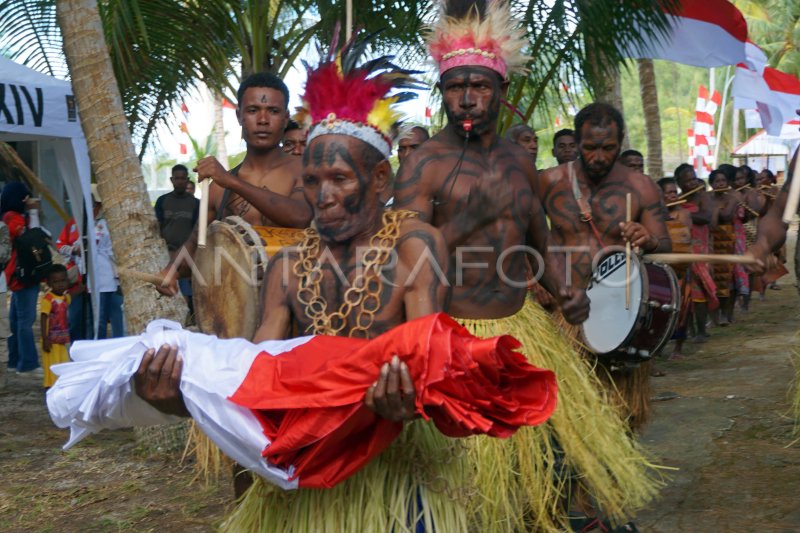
[(347, 99), (477, 33)]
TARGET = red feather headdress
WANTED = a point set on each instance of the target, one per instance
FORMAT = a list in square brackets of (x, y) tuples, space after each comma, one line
[(344, 98), (477, 33)]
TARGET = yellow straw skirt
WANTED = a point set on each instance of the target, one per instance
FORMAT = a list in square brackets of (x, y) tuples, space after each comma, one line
[(628, 389), (523, 480), (421, 478)]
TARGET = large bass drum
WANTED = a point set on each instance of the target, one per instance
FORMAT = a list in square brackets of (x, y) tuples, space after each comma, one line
[(628, 337), (229, 269)]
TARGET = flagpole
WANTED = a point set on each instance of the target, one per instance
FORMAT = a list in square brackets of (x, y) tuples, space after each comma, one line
[(728, 81), (348, 21)]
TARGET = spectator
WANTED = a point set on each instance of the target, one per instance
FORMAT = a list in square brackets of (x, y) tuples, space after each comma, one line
[(177, 213), (54, 314), (564, 147), (523, 135), (294, 139), (19, 212), (69, 246), (632, 159), (190, 188), (106, 279), (410, 141)]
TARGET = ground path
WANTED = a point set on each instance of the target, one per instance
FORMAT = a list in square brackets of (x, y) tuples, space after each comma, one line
[(727, 430)]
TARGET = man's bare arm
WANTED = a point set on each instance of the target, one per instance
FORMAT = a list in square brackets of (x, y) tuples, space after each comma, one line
[(423, 254), (288, 211), (276, 314)]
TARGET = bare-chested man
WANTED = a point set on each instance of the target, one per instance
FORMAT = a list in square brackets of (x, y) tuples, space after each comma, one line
[(586, 203), (359, 271), (565, 149), (476, 188), (266, 189)]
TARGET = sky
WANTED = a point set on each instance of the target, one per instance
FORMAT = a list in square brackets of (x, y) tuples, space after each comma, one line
[(201, 116)]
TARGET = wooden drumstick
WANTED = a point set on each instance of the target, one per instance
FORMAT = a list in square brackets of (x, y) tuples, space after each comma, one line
[(676, 202), (141, 276), (202, 223), (689, 193), (702, 258), (627, 255), (794, 194)]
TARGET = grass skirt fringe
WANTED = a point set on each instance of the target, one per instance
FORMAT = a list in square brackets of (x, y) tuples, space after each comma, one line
[(628, 389), (522, 480), (421, 478)]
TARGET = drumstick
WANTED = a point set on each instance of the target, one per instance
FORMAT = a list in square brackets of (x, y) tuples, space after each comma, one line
[(794, 194), (141, 276), (687, 194), (676, 202), (628, 255), (702, 258), (202, 224)]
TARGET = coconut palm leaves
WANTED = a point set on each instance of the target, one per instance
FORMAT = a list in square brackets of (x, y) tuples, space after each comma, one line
[(578, 43)]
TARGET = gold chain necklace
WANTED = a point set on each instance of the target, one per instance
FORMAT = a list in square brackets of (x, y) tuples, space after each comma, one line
[(363, 294)]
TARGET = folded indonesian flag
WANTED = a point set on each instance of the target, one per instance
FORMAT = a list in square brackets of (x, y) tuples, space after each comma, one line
[(292, 411)]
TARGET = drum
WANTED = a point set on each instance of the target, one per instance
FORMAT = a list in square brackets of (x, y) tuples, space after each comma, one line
[(628, 337), (229, 269)]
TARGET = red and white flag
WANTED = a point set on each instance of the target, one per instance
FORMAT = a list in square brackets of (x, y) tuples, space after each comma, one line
[(703, 33), (775, 94), (293, 411)]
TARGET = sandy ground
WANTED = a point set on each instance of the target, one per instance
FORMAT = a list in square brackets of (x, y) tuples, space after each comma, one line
[(726, 430)]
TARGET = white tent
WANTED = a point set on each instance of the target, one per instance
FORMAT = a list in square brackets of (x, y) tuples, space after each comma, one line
[(38, 109), (769, 151)]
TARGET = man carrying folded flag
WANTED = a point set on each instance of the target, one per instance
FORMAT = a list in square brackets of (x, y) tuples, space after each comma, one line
[(309, 406)]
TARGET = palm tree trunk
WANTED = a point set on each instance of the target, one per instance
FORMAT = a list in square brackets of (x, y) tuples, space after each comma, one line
[(131, 220), (652, 117)]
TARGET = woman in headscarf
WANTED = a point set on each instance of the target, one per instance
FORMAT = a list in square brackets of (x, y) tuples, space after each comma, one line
[(19, 212)]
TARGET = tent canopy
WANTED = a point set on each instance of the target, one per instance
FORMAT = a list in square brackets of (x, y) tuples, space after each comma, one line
[(39, 108)]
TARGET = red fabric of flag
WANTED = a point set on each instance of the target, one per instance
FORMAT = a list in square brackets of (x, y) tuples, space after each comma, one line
[(310, 401)]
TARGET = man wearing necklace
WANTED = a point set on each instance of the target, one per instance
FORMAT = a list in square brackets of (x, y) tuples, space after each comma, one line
[(358, 271)]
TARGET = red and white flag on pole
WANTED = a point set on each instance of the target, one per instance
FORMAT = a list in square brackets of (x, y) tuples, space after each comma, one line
[(293, 411), (775, 94), (703, 33), (701, 135)]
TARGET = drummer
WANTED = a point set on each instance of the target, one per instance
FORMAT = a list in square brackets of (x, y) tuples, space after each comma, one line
[(266, 188), (586, 203)]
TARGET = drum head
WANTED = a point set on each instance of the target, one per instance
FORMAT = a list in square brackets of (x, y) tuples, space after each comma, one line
[(225, 286), (609, 323)]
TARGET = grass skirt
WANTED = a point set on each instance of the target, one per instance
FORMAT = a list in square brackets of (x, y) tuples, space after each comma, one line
[(523, 480), (627, 389), (422, 478)]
